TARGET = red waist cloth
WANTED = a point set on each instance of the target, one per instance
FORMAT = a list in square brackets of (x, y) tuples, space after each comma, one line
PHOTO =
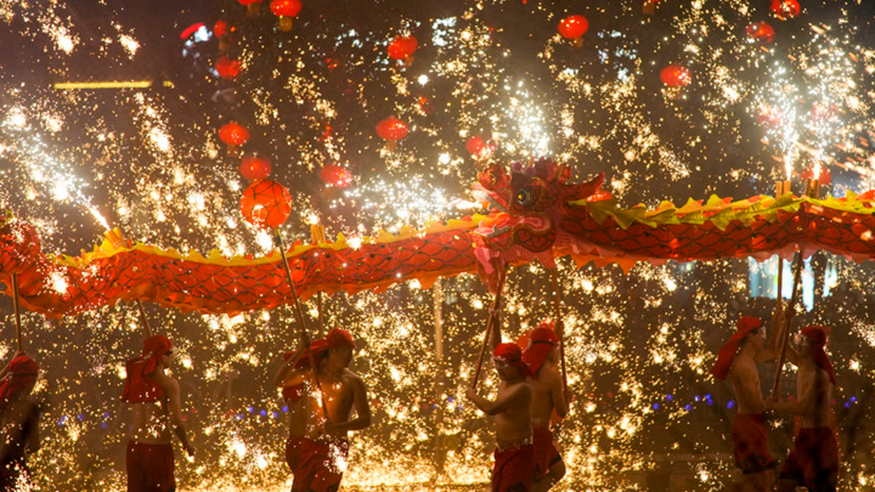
[(814, 461), (294, 445), (150, 467), (546, 454), (320, 465), (514, 469), (750, 444)]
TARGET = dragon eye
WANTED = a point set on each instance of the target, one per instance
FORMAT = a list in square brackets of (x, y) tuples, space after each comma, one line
[(490, 177), (524, 197)]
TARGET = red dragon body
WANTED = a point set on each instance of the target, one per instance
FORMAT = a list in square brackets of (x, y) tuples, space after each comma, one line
[(536, 214)]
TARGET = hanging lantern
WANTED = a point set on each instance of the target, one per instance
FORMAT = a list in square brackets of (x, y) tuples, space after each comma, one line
[(253, 7), (220, 28), (234, 135), (266, 203), (285, 10), (337, 176), (573, 27), (392, 130), (478, 147), (253, 167), (227, 68), (402, 48), (760, 32), (675, 76), (785, 9)]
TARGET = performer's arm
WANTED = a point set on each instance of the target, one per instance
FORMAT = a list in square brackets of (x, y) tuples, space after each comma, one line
[(805, 403), (362, 410), (560, 403), (287, 375), (773, 344), (495, 323), (174, 411), (520, 395)]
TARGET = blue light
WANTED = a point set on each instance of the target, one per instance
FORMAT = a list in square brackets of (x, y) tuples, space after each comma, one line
[(450, 399), (688, 408), (707, 397), (251, 409), (731, 404), (853, 399), (709, 401), (848, 405), (285, 409), (656, 406), (263, 413), (697, 398), (80, 417), (669, 397), (106, 415)]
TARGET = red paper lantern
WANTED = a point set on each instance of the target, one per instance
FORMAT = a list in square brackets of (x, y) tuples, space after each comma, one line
[(402, 46), (253, 167), (233, 134), (675, 76), (392, 129), (337, 176), (266, 203), (760, 31), (285, 10), (220, 28), (573, 27), (247, 3), (227, 68), (785, 9)]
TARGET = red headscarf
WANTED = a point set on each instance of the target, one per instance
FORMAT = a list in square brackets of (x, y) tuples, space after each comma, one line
[(727, 352), (318, 347), (817, 336), (541, 342), (338, 337), (23, 372), (139, 387), (513, 355)]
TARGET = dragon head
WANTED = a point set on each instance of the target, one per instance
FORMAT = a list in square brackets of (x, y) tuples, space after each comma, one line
[(527, 204)]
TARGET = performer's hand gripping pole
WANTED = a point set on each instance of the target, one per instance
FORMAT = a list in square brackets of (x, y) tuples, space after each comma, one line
[(494, 319), (299, 314), (560, 325)]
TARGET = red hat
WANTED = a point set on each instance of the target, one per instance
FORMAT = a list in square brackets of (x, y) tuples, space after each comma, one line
[(318, 347), (513, 355), (817, 336), (139, 387), (338, 337), (727, 352), (541, 342), (23, 372)]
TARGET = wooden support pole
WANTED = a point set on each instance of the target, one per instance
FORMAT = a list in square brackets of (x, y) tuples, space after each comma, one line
[(299, 313), (557, 309), (493, 314), (810, 190)]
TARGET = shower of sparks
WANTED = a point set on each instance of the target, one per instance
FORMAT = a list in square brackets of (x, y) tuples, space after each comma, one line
[(638, 345)]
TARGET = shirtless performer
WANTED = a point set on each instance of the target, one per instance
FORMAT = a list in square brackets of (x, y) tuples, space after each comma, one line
[(541, 358), (738, 360), (512, 410), (155, 409), (19, 421), (814, 461), (294, 395), (324, 447)]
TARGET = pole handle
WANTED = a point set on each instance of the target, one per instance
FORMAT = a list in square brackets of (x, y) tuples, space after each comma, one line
[(557, 308)]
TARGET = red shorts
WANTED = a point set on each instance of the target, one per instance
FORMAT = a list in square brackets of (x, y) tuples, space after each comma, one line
[(514, 469), (751, 447), (294, 445), (150, 467), (320, 466), (814, 461), (546, 454)]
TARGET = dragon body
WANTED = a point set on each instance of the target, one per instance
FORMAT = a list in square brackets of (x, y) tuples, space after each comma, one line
[(535, 214)]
